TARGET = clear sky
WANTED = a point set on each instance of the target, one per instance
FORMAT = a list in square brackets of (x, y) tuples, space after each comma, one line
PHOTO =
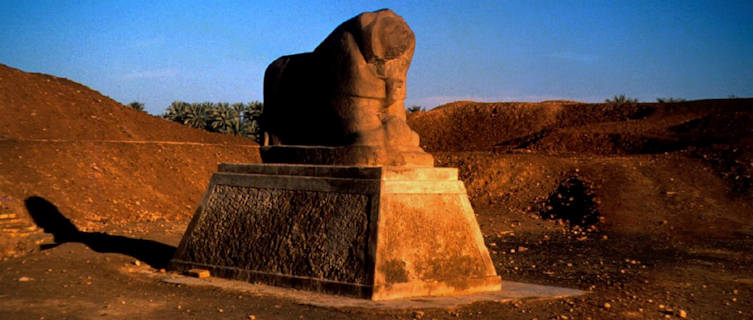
[(156, 52)]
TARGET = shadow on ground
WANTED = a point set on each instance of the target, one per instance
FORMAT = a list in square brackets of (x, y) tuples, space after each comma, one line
[(47, 216)]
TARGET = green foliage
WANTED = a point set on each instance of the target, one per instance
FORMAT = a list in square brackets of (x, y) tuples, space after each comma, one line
[(415, 109), (224, 119), (136, 106), (669, 100), (237, 118), (621, 99), (176, 111), (197, 114), (250, 124)]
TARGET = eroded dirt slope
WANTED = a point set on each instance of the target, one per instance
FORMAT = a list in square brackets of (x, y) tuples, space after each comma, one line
[(40, 106), (100, 162), (680, 169), (561, 127)]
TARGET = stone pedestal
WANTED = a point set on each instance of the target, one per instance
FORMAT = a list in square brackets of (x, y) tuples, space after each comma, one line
[(371, 232)]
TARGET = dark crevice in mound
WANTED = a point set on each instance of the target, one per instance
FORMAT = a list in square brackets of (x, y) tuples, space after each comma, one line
[(636, 144), (729, 126), (572, 201), (734, 164), (522, 142), (641, 112)]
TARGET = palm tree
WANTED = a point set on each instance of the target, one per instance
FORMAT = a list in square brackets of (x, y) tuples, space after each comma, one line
[(137, 106), (620, 100), (196, 115), (224, 119), (412, 109), (669, 100), (238, 107), (176, 111), (252, 126)]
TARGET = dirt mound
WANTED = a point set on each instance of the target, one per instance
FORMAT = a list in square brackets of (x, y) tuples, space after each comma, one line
[(39, 106), (561, 127), (666, 195), (101, 163), (676, 169)]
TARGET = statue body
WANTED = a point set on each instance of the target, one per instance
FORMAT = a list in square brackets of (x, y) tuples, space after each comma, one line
[(349, 92)]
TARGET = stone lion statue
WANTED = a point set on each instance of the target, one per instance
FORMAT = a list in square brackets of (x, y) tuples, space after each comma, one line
[(349, 92)]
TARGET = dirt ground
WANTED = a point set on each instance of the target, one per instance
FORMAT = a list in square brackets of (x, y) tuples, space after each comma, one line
[(647, 207), (627, 276)]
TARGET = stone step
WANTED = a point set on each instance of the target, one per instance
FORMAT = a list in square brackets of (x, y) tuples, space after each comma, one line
[(18, 228), (419, 174), (344, 172), (7, 216), (4, 222), (40, 237), (23, 243)]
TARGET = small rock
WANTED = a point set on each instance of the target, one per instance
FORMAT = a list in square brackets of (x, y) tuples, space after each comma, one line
[(136, 262), (418, 314), (682, 314), (198, 273), (251, 317), (607, 305), (25, 279)]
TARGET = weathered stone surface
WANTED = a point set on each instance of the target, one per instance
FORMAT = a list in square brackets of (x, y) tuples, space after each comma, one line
[(293, 232), (372, 232), (349, 91), (18, 233), (430, 242)]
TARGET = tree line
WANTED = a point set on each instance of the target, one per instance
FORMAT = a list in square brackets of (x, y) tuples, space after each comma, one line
[(244, 118), (222, 117)]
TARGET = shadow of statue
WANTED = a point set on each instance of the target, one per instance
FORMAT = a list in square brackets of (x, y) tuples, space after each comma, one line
[(47, 216)]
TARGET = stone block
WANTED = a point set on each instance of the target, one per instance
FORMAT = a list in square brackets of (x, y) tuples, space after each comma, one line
[(371, 232), (198, 273)]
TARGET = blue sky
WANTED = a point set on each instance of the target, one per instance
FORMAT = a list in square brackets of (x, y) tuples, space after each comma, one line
[(160, 51)]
